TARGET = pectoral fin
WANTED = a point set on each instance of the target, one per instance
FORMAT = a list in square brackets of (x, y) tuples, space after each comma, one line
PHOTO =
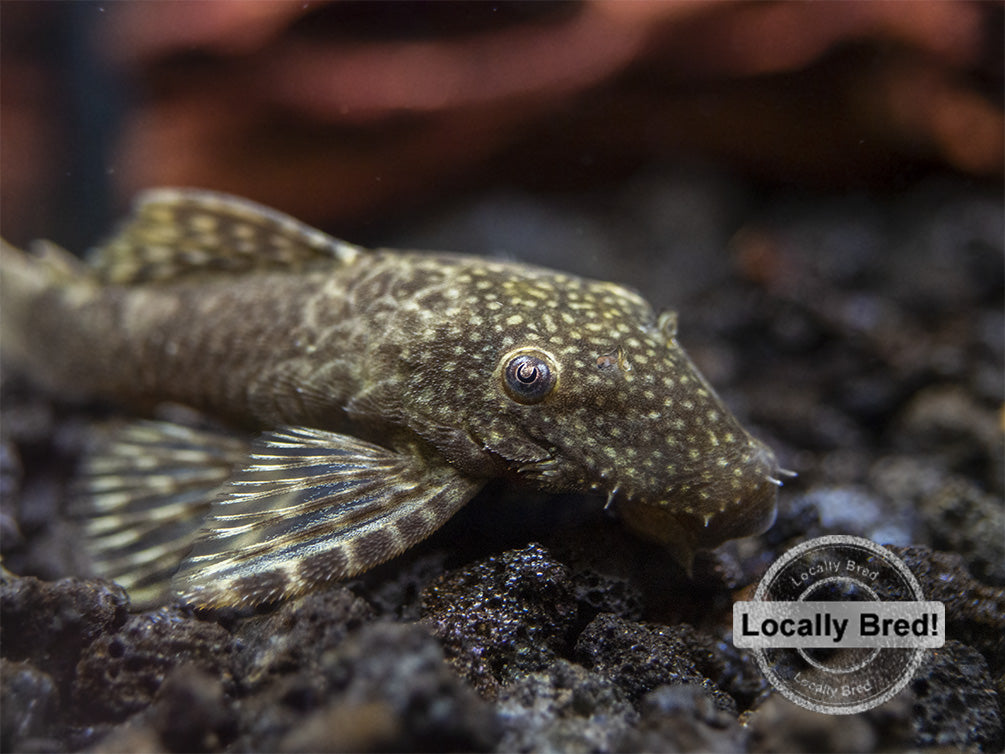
[(311, 507), (143, 490)]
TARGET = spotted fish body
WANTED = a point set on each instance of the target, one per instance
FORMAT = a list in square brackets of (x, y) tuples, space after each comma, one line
[(369, 395)]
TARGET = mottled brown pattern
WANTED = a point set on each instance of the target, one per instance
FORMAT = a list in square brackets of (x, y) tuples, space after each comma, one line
[(250, 316), (375, 546), (332, 564), (260, 588)]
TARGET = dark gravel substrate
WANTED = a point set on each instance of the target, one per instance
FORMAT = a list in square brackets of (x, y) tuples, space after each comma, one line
[(861, 337)]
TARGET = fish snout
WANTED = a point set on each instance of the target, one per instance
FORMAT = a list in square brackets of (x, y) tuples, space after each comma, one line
[(744, 500), (730, 497)]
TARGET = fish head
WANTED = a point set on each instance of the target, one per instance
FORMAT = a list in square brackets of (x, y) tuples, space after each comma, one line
[(577, 385)]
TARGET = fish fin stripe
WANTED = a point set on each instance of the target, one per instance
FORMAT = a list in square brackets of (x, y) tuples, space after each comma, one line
[(141, 494), (312, 507), (176, 232)]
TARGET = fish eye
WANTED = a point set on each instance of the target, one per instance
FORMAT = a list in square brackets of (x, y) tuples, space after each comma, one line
[(528, 375), (667, 324)]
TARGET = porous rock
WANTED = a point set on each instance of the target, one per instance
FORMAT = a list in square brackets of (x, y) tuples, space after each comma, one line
[(190, 713), (394, 677), (975, 612), (565, 708), (296, 634), (956, 703), (121, 672), (640, 658), (29, 705), (51, 623), (731, 669), (503, 616), (963, 518)]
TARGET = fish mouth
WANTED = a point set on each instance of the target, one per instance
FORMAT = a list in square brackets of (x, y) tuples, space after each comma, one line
[(738, 501)]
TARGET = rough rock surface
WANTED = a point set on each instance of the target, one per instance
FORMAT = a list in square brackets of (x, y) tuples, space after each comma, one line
[(956, 703), (120, 673), (506, 616), (639, 659), (859, 336), (565, 708)]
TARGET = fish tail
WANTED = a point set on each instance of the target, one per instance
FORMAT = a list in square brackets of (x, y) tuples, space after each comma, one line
[(22, 279), (25, 277)]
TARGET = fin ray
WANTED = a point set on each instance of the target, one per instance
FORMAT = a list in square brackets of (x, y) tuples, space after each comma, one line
[(314, 506), (143, 490), (174, 232)]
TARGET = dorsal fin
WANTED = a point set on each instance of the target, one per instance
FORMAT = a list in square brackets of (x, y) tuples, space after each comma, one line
[(177, 232)]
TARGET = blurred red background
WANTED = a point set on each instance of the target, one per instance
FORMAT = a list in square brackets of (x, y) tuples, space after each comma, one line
[(343, 113)]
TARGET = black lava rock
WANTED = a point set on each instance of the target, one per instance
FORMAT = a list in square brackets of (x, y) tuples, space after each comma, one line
[(52, 623), (779, 725), (956, 704), (565, 708), (975, 612), (296, 634), (121, 672), (503, 616), (387, 687), (189, 714), (29, 705), (963, 518), (641, 658)]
